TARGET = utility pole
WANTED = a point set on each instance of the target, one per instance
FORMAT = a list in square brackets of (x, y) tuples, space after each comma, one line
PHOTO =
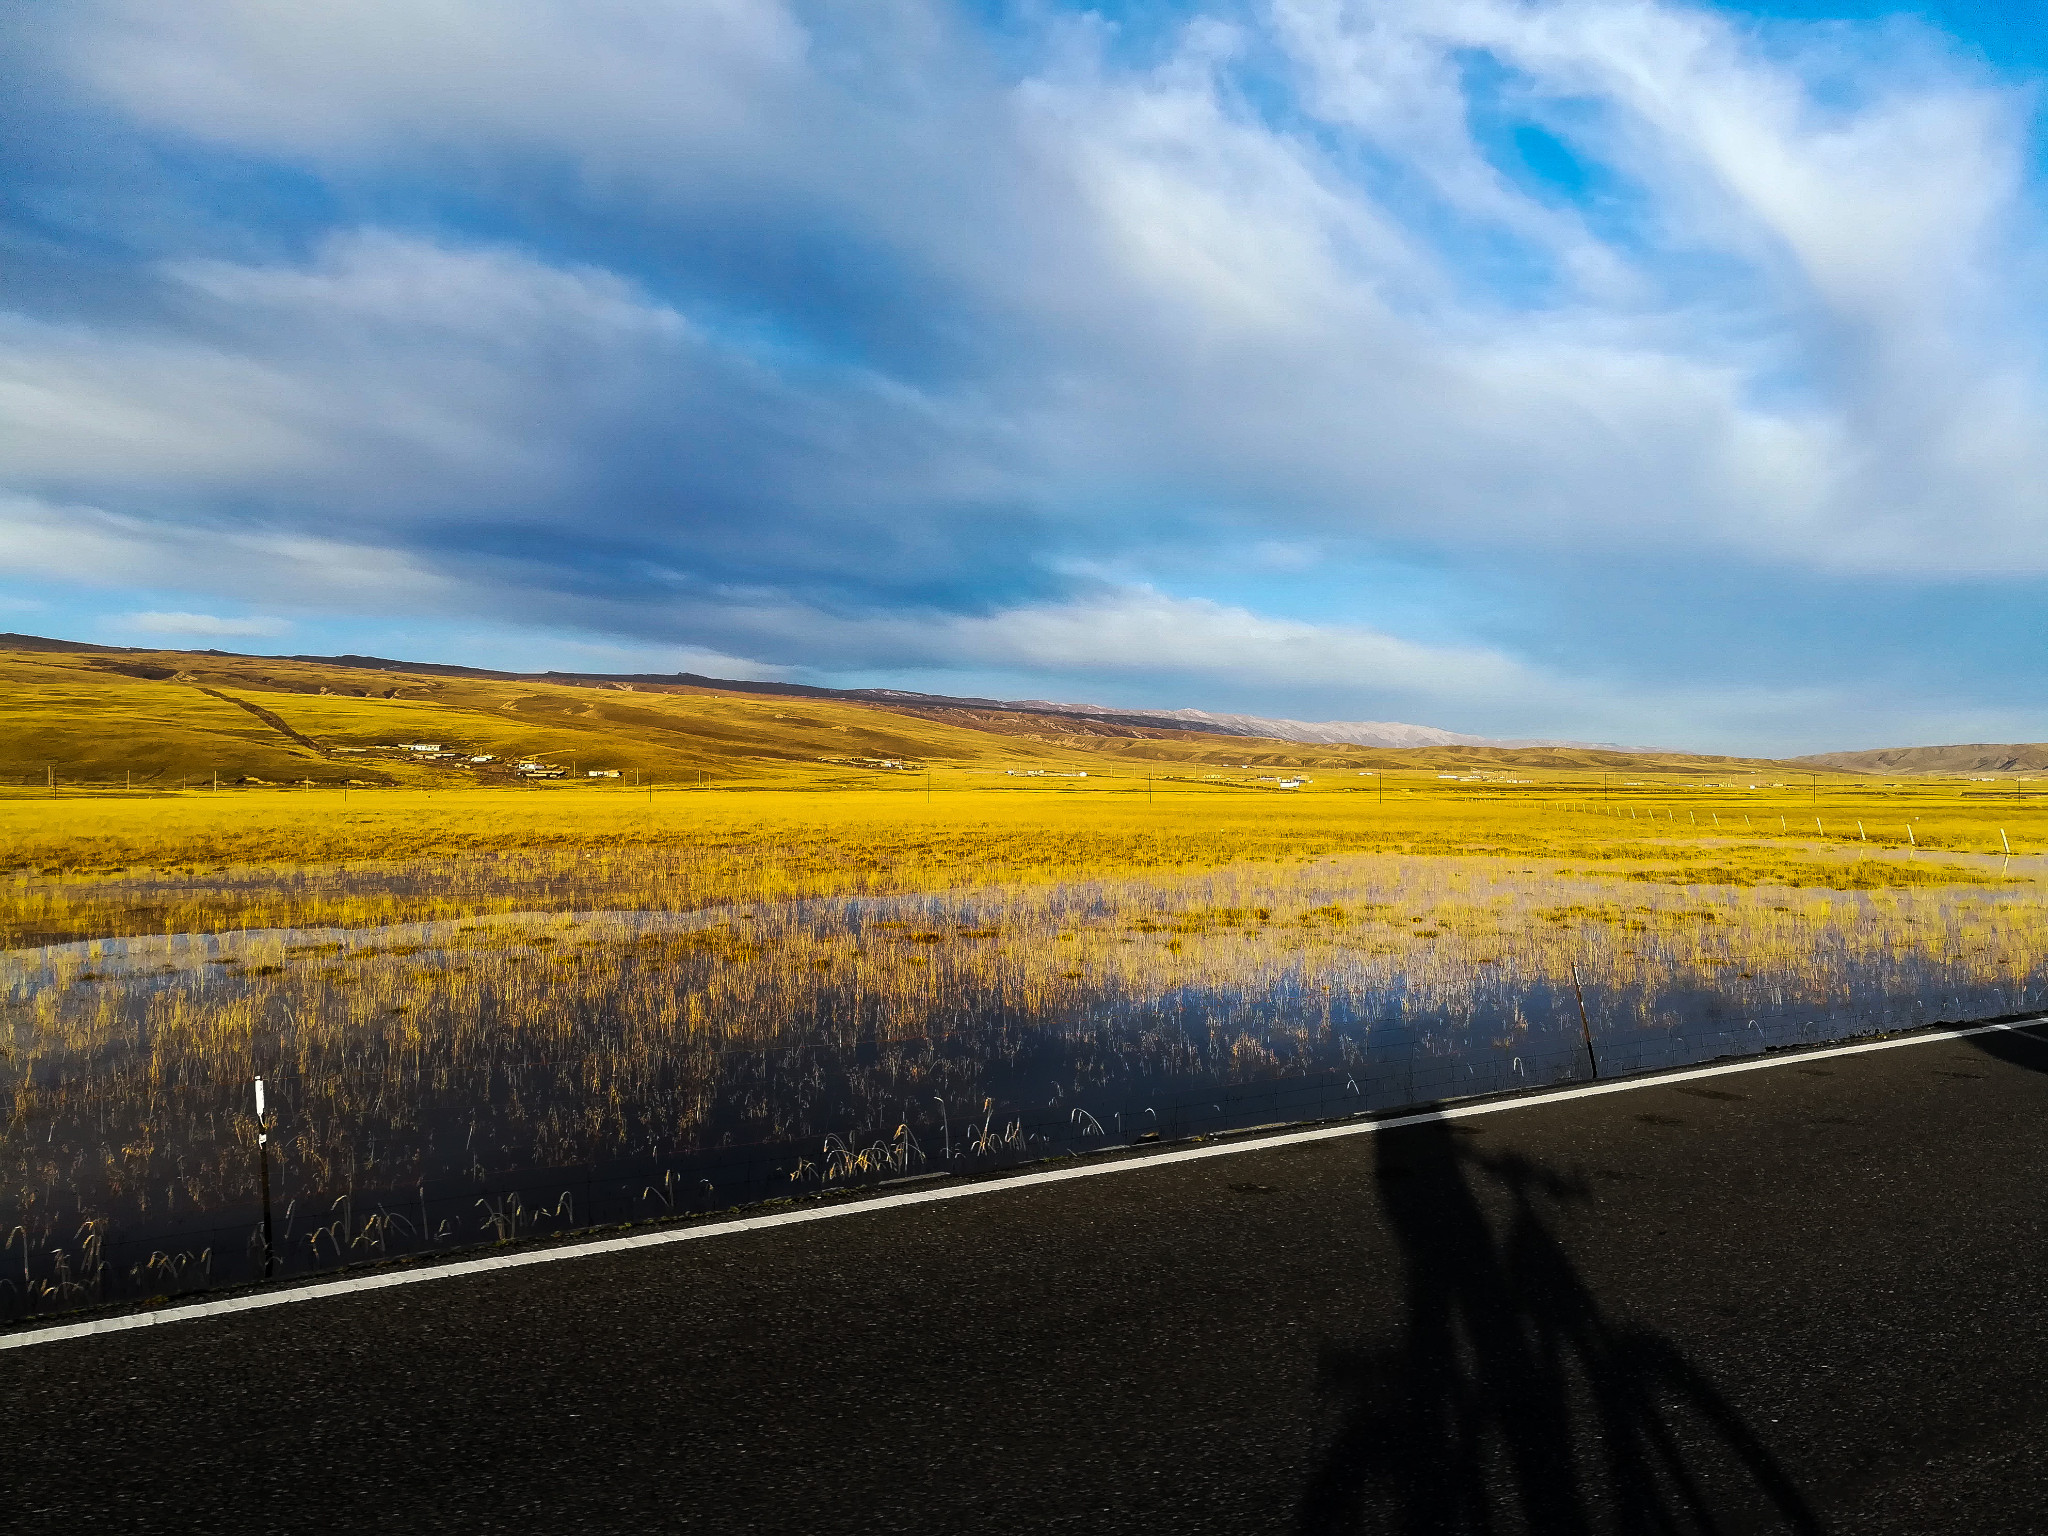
[(50, 772)]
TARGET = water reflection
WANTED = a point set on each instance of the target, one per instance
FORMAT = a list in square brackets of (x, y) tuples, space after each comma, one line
[(464, 1081)]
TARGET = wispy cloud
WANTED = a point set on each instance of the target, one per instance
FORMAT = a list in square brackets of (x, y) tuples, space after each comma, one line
[(200, 625)]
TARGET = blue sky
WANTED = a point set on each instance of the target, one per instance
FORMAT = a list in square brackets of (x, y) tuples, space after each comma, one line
[(1621, 371)]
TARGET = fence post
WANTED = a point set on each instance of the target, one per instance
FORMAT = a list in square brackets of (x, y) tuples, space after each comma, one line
[(263, 1173), (1585, 1026)]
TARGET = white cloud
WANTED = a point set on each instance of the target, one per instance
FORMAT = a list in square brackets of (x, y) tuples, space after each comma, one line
[(1799, 351), (608, 656), (90, 547), (1135, 633), (373, 277), (1138, 632), (190, 625), (78, 404), (378, 77)]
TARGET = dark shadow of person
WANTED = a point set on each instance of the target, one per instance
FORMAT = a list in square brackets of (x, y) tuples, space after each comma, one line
[(1510, 1402)]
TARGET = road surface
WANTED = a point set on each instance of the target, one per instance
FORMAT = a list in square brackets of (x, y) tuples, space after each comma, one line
[(1803, 1298)]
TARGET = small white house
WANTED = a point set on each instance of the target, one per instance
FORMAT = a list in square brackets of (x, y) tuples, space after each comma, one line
[(603, 773), (419, 746), (486, 758)]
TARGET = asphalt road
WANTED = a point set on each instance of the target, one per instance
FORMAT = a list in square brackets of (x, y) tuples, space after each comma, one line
[(1809, 1298)]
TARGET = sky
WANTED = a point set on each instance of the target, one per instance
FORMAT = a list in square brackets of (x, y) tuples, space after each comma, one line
[(1612, 370)]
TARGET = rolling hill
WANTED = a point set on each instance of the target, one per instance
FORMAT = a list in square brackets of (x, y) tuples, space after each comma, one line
[(84, 714), (1973, 759)]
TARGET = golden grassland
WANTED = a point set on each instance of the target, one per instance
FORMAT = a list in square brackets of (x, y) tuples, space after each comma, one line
[(97, 866), (81, 720)]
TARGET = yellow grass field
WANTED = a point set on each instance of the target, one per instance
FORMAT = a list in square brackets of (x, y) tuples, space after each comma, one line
[(78, 866)]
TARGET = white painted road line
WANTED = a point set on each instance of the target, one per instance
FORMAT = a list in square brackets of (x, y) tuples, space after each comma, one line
[(662, 1238)]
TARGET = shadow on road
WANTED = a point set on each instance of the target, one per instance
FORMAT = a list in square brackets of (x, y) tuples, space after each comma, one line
[(1510, 1402), (2023, 1047)]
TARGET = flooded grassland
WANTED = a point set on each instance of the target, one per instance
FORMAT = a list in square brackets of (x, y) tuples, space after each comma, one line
[(479, 1076)]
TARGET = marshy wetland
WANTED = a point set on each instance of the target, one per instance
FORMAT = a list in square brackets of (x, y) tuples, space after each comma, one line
[(496, 1014)]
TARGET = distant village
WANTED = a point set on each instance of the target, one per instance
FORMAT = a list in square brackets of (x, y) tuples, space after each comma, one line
[(525, 768), (534, 768)]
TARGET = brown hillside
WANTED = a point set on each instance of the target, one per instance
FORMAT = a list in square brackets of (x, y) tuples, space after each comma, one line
[(1980, 757), (161, 719)]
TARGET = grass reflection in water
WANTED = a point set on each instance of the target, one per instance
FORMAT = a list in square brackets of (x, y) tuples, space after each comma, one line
[(847, 1037)]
